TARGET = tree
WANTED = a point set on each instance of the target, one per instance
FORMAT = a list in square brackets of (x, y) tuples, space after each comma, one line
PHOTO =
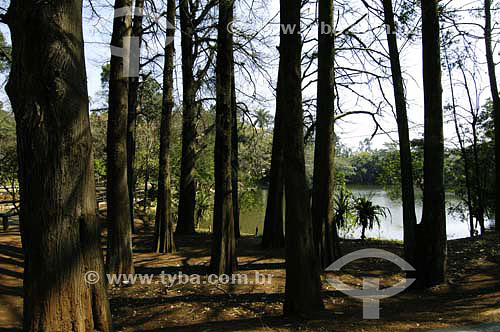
[(133, 104), (48, 94), (223, 258), (368, 214), (190, 46), (496, 104), (323, 194), (303, 284), (164, 237), (119, 255), (235, 163), (272, 236), (463, 150), (432, 235), (406, 167)]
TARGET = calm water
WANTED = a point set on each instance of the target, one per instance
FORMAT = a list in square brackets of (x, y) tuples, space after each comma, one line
[(391, 228)]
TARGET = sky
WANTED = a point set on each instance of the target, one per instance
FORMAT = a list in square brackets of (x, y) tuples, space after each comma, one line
[(265, 24)]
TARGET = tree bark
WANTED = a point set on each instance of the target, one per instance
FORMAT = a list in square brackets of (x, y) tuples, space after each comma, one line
[(408, 195), (234, 154), (187, 190), (463, 151), (164, 237), (48, 93), (272, 236), (223, 260), (133, 104), (432, 237), (496, 105), (323, 195), (119, 255), (303, 284)]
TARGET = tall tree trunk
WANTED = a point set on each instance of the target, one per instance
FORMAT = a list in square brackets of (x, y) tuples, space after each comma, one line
[(223, 258), (164, 237), (48, 93), (272, 236), (119, 254), (496, 105), (408, 195), (303, 284), (479, 189), (323, 195), (187, 190), (432, 238), (235, 164), (463, 151), (133, 104)]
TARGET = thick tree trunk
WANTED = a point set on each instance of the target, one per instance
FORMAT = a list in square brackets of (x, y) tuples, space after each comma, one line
[(187, 190), (408, 195), (303, 284), (164, 237), (432, 238), (132, 113), (119, 255), (323, 195), (496, 105), (272, 236), (235, 164), (48, 93), (223, 258)]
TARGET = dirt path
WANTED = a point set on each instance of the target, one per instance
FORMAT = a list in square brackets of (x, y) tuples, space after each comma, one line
[(471, 297)]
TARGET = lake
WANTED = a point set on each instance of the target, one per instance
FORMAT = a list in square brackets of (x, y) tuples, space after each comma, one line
[(391, 227)]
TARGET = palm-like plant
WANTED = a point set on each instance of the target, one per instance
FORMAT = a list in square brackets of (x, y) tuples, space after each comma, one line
[(368, 214), (343, 208)]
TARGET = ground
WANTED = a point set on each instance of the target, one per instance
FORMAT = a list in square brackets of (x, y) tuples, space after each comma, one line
[(471, 296)]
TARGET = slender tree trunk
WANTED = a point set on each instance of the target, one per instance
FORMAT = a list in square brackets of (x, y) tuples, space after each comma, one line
[(187, 190), (164, 237), (462, 151), (408, 195), (132, 112), (323, 195), (223, 258), (432, 238), (496, 105), (48, 93), (119, 255), (303, 284), (477, 177), (479, 189), (272, 236), (235, 164)]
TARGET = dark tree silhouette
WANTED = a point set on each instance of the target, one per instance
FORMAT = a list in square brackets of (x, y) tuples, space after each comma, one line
[(164, 237), (48, 93), (119, 255), (323, 195), (408, 195), (496, 104), (272, 236), (223, 258), (303, 284), (431, 239)]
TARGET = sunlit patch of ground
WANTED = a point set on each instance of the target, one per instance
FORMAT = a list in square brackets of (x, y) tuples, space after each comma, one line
[(472, 295)]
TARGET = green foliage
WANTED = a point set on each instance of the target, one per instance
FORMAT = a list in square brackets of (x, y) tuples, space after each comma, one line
[(8, 153), (343, 208), (368, 214)]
